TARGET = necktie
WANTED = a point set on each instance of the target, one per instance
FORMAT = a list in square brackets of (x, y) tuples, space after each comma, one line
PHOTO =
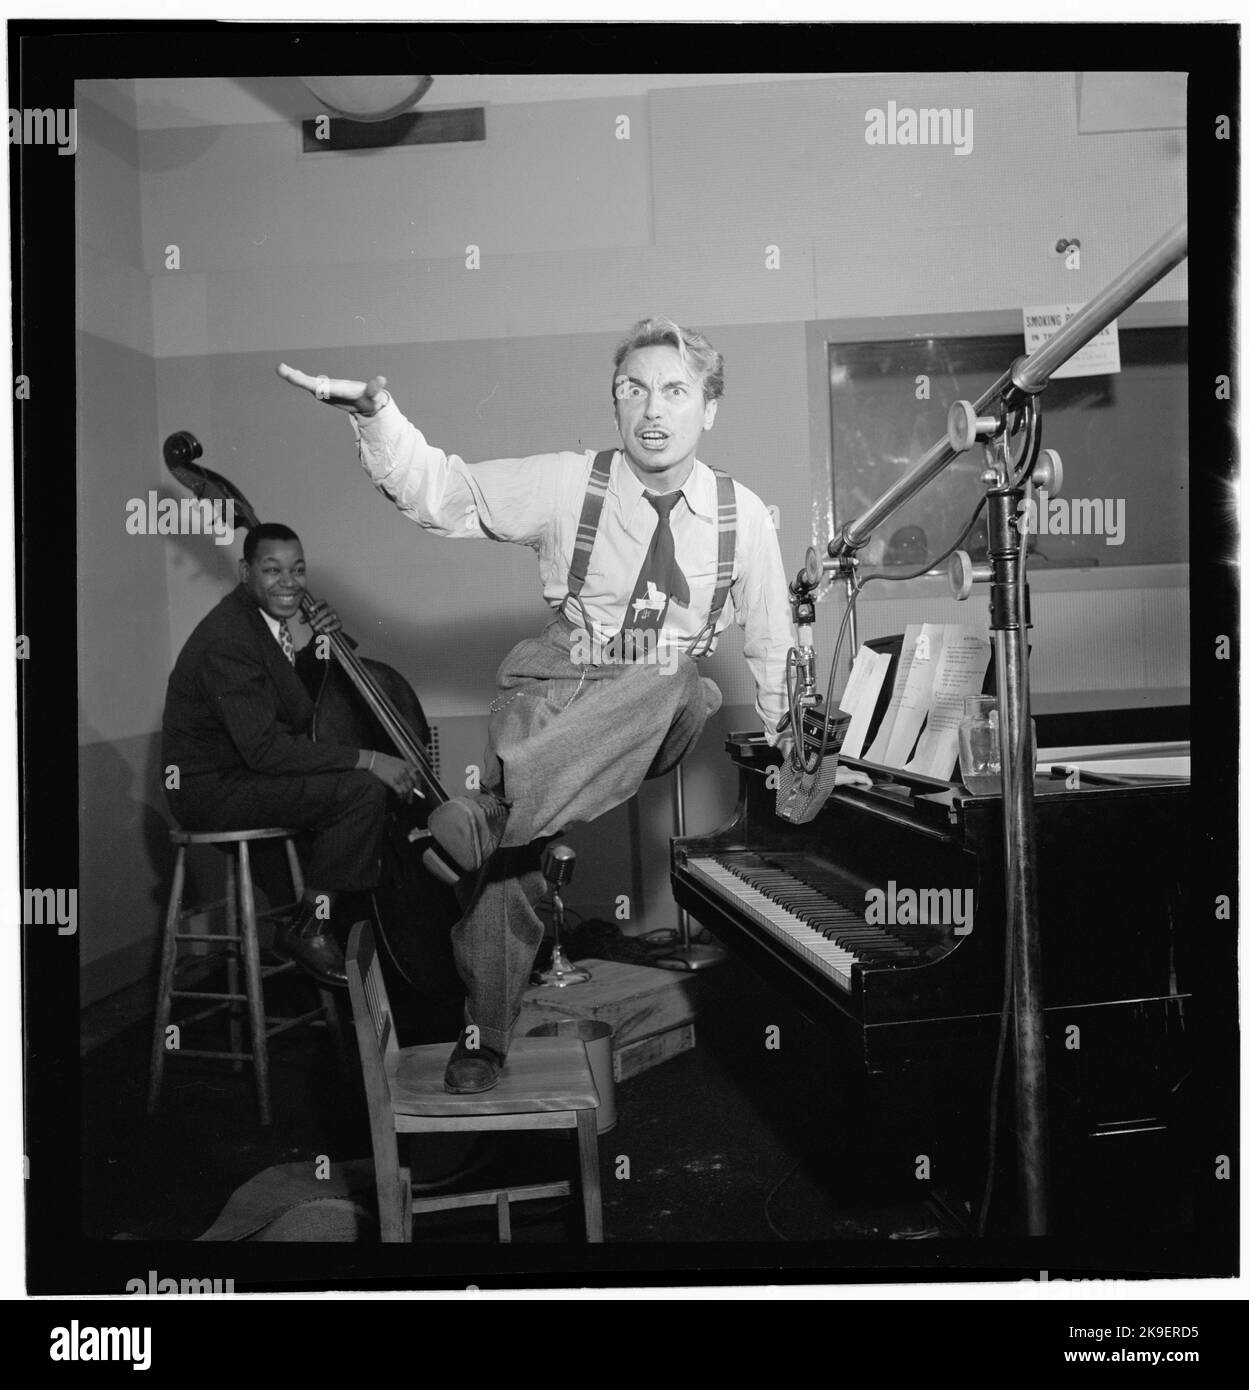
[(660, 579), (286, 641)]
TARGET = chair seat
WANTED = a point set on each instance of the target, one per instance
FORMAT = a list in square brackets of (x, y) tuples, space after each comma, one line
[(540, 1074)]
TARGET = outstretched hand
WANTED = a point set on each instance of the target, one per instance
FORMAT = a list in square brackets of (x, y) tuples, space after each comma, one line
[(358, 397)]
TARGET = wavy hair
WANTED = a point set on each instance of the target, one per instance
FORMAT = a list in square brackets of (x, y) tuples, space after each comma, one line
[(700, 360)]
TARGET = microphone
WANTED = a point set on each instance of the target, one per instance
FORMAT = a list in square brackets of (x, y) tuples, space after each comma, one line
[(557, 864)]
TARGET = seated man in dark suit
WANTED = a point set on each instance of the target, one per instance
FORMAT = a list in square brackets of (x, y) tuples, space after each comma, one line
[(236, 729)]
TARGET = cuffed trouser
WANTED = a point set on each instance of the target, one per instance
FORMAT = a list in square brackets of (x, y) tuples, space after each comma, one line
[(343, 813), (567, 743)]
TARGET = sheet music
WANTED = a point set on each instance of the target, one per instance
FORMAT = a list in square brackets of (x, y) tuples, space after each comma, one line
[(959, 671), (913, 695), (860, 696), (906, 658)]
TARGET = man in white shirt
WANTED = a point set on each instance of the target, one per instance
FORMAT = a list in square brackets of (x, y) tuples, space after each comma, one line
[(608, 695)]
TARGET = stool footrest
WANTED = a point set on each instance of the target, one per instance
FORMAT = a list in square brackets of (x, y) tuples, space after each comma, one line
[(283, 1024), (206, 1052), (188, 1019)]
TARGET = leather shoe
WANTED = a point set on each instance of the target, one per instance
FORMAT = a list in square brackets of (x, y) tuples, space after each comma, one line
[(319, 955), (469, 828), (472, 1069)]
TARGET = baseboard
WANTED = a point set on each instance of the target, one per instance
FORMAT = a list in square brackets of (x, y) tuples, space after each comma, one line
[(116, 970)]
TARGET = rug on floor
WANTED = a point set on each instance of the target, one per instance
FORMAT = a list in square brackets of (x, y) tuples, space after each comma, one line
[(288, 1202)]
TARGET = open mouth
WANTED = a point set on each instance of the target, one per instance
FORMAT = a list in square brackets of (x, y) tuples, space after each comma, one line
[(654, 440)]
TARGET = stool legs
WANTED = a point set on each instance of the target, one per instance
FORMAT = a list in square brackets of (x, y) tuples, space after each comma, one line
[(244, 973), (330, 1009), (164, 995), (297, 875), (255, 985), (232, 960)]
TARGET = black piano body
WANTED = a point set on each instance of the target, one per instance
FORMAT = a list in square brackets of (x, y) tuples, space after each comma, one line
[(921, 1033)]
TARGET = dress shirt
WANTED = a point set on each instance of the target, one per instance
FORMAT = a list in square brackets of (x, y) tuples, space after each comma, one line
[(536, 501)]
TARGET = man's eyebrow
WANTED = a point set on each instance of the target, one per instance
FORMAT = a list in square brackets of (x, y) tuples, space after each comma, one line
[(672, 381)]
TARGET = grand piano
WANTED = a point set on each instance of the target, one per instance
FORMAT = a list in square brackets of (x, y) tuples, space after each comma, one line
[(916, 1006)]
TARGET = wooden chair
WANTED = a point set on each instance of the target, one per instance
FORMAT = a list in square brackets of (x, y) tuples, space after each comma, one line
[(242, 938), (546, 1084)]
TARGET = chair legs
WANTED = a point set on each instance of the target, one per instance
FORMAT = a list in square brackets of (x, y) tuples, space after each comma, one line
[(394, 1198), (591, 1192)]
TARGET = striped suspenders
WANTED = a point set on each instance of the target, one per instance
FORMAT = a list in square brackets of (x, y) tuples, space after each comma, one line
[(587, 530)]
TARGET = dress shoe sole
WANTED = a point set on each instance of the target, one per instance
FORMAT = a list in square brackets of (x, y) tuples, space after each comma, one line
[(455, 827)]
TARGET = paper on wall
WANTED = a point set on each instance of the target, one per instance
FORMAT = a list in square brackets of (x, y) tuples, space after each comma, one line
[(1098, 357)]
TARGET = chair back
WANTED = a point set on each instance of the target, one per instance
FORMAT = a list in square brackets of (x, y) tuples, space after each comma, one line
[(375, 1035)]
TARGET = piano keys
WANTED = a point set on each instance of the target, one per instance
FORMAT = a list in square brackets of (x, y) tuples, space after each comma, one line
[(806, 905), (915, 1007)]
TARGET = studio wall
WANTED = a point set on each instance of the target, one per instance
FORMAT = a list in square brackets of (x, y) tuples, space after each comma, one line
[(748, 211)]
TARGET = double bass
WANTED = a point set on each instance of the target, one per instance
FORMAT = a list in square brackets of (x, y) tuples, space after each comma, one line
[(367, 704)]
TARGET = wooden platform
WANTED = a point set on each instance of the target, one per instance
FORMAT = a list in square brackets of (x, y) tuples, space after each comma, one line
[(650, 1012)]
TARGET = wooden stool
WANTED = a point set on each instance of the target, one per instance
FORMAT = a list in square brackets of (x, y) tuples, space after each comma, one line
[(240, 911), (546, 1084)]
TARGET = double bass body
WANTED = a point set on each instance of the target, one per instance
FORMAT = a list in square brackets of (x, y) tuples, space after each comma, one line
[(414, 909)]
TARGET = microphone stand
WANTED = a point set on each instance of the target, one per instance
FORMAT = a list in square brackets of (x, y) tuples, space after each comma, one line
[(557, 867), (1007, 407), (687, 954)]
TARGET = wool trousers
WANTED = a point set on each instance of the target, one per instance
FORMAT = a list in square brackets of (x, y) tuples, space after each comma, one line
[(343, 813), (567, 743)]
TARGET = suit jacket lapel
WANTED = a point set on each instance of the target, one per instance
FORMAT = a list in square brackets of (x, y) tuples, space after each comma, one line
[(292, 695)]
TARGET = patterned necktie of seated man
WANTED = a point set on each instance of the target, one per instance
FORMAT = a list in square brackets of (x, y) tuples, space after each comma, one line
[(660, 580), (287, 641)]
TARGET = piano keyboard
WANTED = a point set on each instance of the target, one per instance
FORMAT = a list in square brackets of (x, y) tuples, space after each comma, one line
[(800, 910)]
